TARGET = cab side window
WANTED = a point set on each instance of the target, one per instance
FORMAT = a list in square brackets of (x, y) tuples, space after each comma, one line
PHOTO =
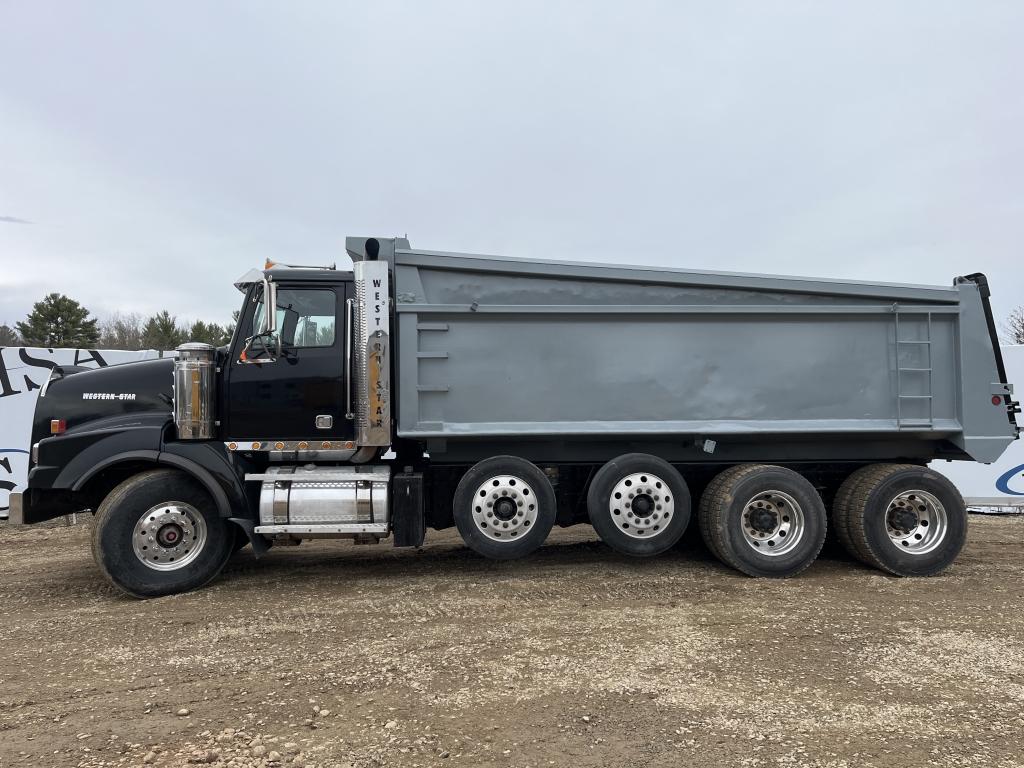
[(305, 317)]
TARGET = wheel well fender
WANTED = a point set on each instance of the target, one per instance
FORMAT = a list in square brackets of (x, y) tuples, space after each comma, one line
[(108, 474), (220, 498), (94, 484), (221, 474), (128, 457)]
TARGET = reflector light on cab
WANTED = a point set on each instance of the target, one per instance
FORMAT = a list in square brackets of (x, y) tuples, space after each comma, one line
[(57, 426)]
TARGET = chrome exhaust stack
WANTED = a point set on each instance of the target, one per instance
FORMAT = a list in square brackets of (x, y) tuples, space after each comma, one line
[(195, 369)]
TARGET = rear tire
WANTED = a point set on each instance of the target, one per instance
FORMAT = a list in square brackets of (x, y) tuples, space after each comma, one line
[(763, 520), (901, 518), (159, 533), (504, 507), (639, 504)]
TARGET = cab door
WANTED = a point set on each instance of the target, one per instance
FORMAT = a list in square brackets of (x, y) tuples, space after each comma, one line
[(301, 394)]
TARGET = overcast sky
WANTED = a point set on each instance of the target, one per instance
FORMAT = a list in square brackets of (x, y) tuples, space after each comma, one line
[(151, 153)]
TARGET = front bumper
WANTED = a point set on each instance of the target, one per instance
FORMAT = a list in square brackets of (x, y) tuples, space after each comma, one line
[(16, 513)]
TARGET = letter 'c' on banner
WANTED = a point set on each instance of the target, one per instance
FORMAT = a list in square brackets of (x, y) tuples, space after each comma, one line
[(1003, 483)]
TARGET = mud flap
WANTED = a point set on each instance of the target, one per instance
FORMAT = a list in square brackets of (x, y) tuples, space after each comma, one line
[(407, 518), (259, 544)]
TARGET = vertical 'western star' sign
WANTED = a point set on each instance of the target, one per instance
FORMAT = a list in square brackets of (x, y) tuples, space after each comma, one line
[(374, 418)]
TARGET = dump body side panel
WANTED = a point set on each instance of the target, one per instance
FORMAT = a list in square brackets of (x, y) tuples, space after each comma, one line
[(500, 348)]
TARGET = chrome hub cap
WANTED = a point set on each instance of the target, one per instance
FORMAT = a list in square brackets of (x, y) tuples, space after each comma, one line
[(504, 508), (916, 522), (641, 505), (773, 523), (169, 536)]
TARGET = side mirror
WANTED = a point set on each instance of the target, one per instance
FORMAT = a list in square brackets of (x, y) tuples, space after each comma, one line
[(265, 345), (270, 307)]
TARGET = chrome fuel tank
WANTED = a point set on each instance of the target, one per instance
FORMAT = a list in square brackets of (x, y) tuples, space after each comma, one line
[(316, 495)]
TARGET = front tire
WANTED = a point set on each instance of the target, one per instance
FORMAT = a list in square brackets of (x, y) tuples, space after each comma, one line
[(504, 507), (763, 520), (159, 533), (639, 504)]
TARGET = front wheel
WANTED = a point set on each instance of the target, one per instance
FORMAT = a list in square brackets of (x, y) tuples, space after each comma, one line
[(158, 533)]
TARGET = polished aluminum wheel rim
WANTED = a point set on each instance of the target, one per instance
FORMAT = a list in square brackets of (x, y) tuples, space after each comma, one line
[(916, 522), (504, 508), (773, 523), (169, 536), (641, 505)]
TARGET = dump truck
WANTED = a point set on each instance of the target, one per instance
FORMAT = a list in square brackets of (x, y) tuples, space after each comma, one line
[(425, 389)]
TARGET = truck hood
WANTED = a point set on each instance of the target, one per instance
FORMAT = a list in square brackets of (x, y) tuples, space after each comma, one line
[(83, 396)]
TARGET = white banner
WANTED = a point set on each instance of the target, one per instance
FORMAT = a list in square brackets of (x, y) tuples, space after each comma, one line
[(1002, 483), (23, 371)]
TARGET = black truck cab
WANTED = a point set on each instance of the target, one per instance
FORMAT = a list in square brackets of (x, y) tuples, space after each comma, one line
[(301, 394)]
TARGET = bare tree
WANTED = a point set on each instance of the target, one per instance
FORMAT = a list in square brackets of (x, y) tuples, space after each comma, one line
[(121, 331), (1013, 327), (8, 337)]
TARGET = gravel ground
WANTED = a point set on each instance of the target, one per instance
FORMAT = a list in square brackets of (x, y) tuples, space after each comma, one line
[(331, 654)]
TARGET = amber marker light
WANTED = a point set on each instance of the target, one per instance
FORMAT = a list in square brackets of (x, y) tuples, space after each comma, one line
[(58, 426)]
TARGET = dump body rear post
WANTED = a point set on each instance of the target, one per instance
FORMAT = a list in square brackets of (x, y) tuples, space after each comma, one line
[(502, 396)]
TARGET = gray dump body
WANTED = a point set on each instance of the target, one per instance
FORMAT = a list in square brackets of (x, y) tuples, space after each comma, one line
[(494, 348)]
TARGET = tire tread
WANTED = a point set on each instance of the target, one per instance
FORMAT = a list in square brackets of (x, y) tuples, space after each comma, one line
[(850, 509), (712, 518)]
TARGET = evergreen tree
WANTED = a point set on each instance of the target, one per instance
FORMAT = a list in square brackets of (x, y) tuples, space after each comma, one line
[(8, 338), (229, 329), (58, 321), (161, 332), (208, 333)]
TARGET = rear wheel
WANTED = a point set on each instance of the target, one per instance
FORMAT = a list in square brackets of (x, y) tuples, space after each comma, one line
[(763, 520), (639, 504), (504, 507), (901, 518), (159, 533)]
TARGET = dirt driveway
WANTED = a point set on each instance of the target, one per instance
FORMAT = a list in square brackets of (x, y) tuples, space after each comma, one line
[(331, 654)]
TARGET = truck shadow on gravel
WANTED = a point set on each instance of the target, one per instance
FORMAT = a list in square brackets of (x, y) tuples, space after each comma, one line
[(323, 560)]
